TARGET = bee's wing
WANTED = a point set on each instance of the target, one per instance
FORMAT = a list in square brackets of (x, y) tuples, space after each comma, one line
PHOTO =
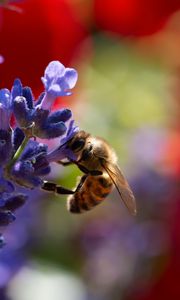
[(121, 185)]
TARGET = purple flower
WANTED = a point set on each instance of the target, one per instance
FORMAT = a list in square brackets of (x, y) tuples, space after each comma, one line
[(5, 131), (27, 112), (18, 137), (23, 161), (13, 201), (5, 108), (47, 127), (22, 112), (2, 243), (5, 185), (73, 129), (5, 98), (16, 88), (62, 151), (4, 117), (9, 202), (33, 164), (58, 81), (6, 217), (5, 146)]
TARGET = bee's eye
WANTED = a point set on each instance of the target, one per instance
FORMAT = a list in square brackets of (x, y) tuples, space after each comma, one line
[(77, 145)]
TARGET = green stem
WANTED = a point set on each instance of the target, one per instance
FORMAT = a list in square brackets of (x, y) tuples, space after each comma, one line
[(17, 155)]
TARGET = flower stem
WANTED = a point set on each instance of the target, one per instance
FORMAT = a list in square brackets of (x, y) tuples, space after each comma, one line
[(16, 155), (28, 134)]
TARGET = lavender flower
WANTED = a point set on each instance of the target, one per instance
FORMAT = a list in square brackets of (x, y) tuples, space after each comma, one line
[(57, 81), (62, 152), (5, 108), (5, 131), (5, 146), (24, 161), (9, 202), (32, 164), (27, 112)]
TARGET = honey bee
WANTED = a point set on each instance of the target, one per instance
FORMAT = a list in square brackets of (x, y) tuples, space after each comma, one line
[(98, 161)]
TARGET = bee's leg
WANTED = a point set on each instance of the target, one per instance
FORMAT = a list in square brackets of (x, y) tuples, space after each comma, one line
[(53, 187), (88, 172), (80, 184), (82, 168), (95, 173), (64, 163)]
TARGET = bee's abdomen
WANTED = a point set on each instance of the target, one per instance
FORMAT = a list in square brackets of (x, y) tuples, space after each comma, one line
[(93, 191)]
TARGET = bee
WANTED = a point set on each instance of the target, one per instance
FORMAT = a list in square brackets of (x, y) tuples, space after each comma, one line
[(98, 161)]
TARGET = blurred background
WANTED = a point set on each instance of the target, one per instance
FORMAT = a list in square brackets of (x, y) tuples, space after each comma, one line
[(127, 56)]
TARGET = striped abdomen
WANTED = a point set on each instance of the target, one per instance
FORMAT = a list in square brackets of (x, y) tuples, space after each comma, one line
[(93, 191)]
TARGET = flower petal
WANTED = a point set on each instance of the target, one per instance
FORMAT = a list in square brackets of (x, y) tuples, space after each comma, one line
[(71, 77), (5, 97), (53, 70)]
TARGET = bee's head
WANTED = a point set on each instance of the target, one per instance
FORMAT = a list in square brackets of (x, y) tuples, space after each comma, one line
[(78, 142)]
